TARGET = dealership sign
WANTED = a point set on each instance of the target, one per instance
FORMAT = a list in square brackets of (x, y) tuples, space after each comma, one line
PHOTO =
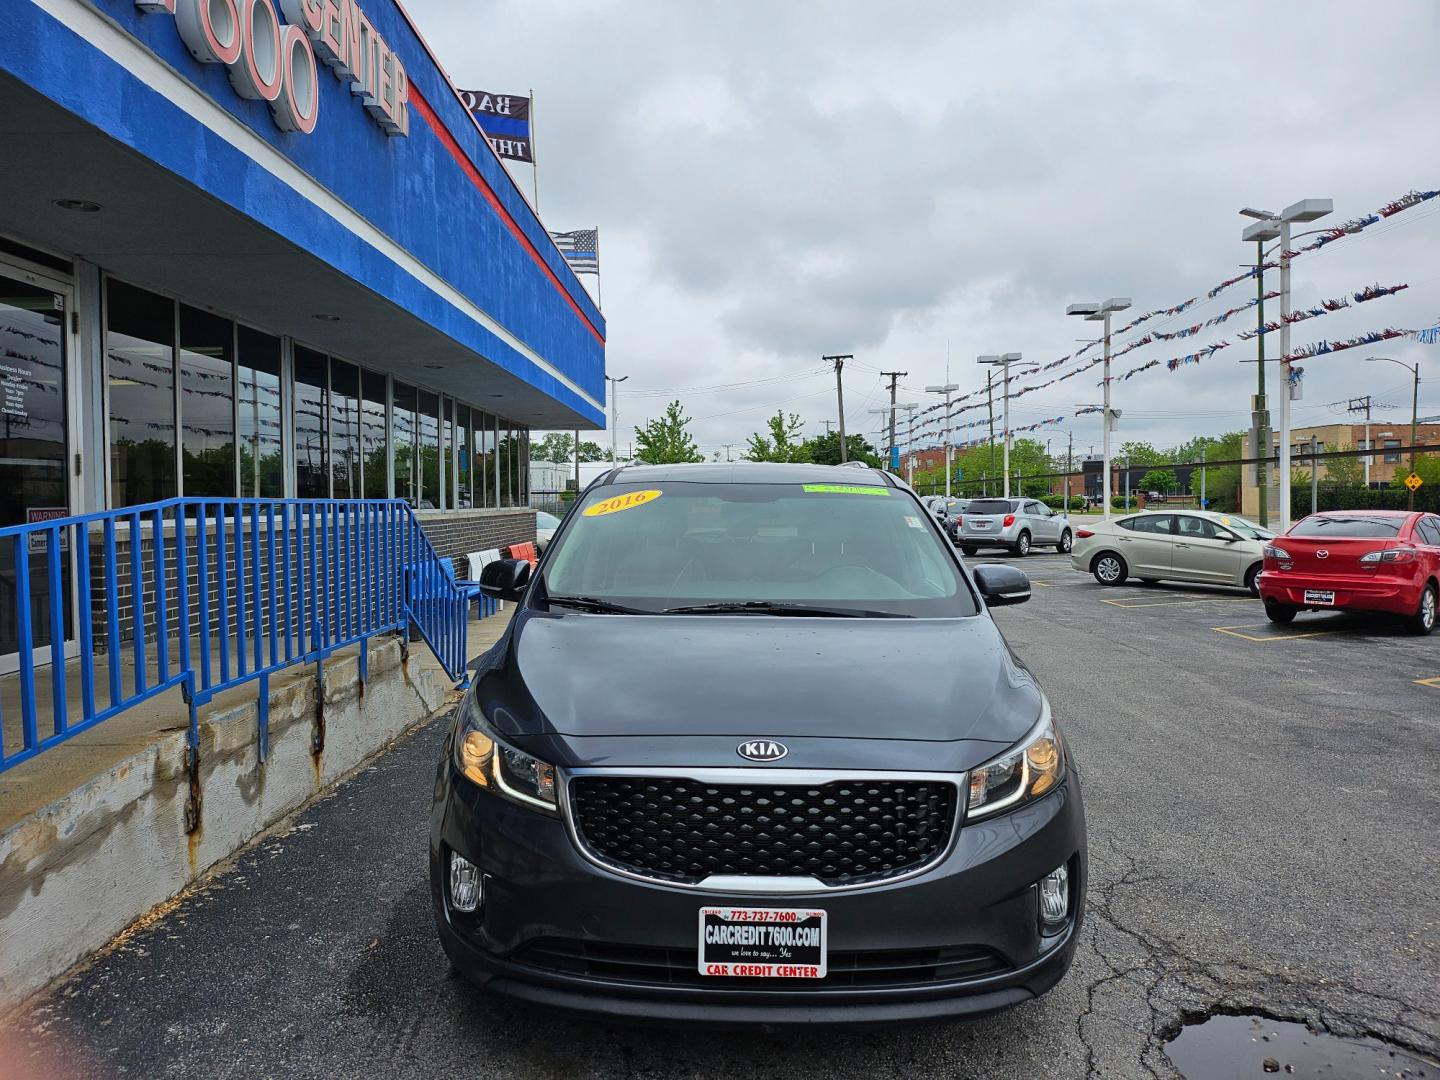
[(274, 62)]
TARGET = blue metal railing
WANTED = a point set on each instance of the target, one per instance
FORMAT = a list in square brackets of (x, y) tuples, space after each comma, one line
[(206, 594)]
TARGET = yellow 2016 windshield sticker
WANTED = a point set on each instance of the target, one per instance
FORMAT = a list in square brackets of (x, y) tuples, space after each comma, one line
[(628, 501), (845, 489)]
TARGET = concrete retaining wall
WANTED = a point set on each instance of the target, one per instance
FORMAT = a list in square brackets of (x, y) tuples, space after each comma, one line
[(78, 871)]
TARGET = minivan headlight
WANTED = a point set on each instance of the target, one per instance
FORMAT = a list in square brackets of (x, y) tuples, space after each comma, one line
[(486, 761), (1025, 772)]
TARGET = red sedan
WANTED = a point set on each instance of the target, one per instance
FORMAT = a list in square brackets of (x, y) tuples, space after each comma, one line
[(1356, 560)]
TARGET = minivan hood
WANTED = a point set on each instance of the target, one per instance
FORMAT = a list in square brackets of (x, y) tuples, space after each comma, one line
[(584, 675)]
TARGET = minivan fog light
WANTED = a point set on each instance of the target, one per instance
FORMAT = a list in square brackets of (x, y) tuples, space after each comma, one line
[(1055, 897), (464, 883)]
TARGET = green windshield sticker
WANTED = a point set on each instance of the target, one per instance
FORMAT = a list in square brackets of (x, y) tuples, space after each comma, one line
[(845, 489)]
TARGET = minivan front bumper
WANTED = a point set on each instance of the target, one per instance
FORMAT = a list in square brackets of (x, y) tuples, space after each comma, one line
[(961, 938)]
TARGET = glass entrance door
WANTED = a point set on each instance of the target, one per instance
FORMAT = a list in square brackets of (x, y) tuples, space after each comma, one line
[(35, 478)]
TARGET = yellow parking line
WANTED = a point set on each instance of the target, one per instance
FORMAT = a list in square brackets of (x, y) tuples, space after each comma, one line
[(1234, 631), (1124, 601), (1435, 682)]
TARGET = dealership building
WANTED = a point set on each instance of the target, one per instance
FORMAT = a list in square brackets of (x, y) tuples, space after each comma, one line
[(258, 248)]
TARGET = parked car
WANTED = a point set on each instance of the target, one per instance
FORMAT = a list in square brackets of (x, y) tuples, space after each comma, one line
[(769, 819), (942, 509), (545, 526), (1356, 560), (1155, 497), (1016, 524), (1188, 545)]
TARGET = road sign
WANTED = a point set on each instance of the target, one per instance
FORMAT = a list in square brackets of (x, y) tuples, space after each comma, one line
[(1413, 482)]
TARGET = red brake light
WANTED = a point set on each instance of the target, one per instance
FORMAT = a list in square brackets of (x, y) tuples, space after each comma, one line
[(1084, 534), (1009, 520), (959, 520)]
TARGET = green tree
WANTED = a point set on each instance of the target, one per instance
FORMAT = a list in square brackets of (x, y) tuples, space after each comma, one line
[(783, 443), (1427, 467), (1158, 480), (556, 446), (825, 450), (666, 440), (590, 451), (1348, 472), (1141, 453), (1222, 483)]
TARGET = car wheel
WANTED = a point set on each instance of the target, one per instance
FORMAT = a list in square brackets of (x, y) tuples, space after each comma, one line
[(1423, 621), (1022, 545), (968, 550), (1280, 613), (1066, 542), (1109, 569), (1252, 586)]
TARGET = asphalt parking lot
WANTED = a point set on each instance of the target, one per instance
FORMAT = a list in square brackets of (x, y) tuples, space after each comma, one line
[(1262, 809)]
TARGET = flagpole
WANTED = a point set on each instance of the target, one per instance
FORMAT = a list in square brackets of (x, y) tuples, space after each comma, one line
[(534, 161), (599, 298)]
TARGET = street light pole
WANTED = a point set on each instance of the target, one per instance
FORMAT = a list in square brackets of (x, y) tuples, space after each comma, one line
[(1414, 415), (1102, 313), (1004, 361), (947, 389), (1304, 210), (615, 415)]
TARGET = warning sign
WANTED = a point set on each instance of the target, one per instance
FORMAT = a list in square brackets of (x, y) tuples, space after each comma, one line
[(1413, 482)]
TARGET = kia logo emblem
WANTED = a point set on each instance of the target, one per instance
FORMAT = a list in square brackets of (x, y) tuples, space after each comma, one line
[(762, 750), (1321, 553)]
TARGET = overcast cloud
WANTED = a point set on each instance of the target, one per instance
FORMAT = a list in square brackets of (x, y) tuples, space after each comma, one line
[(775, 181)]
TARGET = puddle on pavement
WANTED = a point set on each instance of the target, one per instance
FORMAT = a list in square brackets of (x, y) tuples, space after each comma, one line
[(1241, 1047)]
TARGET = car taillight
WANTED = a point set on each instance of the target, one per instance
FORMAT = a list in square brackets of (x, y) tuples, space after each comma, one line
[(1009, 520), (1389, 555), (959, 520), (1083, 534), (1273, 552)]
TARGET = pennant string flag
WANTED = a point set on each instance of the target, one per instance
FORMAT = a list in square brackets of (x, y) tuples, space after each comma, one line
[(1370, 292), (1320, 348)]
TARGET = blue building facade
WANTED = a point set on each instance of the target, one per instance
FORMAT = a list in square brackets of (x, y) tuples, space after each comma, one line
[(259, 248)]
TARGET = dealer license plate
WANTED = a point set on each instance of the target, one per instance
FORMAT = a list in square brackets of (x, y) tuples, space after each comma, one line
[(1320, 596), (762, 943)]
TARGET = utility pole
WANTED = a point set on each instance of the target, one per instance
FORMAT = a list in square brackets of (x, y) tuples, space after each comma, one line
[(1127, 483), (577, 463), (727, 446), (839, 362), (990, 401), (1314, 475), (1363, 404), (615, 415), (894, 377), (1203, 501), (1069, 468)]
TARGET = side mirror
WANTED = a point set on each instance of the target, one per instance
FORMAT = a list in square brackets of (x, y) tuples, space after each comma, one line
[(505, 579), (1002, 585)]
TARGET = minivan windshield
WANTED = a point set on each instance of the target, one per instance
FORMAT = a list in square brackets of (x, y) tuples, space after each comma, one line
[(805, 549), (990, 506)]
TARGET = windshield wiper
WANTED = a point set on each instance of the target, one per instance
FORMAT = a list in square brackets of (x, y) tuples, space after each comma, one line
[(595, 605), (773, 607)]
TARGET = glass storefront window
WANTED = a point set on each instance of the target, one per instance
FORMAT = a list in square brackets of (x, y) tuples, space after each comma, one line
[(262, 466), (344, 429), (484, 459), (508, 457), (429, 419), (447, 450), (140, 370), (34, 458), (403, 410), (463, 474), (207, 404), (373, 444), (311, 474)]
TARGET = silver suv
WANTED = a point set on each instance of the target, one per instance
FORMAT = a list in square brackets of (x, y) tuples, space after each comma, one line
[(1017, 524)]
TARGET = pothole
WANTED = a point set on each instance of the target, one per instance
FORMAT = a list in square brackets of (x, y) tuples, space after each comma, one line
[(1239, 1047)]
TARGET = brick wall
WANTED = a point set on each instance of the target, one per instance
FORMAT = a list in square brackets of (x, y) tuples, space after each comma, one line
[(459, 532)]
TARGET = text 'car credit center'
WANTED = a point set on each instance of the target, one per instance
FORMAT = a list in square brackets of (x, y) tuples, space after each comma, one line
[(258, 248)]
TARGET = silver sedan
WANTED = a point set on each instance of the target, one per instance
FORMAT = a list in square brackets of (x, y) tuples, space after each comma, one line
[(1186, 545)]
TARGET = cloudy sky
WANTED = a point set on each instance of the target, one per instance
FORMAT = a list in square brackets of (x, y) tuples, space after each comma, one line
[(777, 181)]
